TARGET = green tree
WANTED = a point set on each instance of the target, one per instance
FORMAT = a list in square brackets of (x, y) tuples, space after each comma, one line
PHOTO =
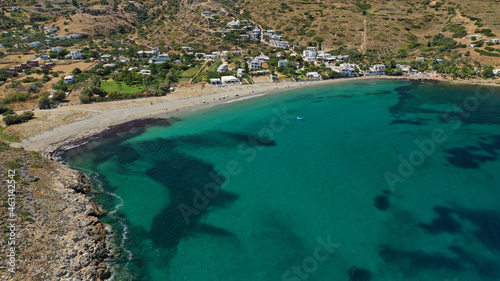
[(76, 71), (44, 100)]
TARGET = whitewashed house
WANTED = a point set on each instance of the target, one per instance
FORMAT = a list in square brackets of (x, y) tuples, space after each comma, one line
[(475, 36), (262, 58), (282, 63), (75, 55), (313, 76), (230, 80), (34, 44), (215, 81), (70, 79), (255, 64), (222, 68), (377, 69), (279, 44), (309, 53), (233, 24)]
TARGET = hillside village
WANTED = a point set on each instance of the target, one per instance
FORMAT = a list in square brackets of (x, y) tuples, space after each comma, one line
[(45, 66)]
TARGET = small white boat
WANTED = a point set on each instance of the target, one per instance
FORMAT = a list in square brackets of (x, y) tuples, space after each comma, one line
[(300, 118)]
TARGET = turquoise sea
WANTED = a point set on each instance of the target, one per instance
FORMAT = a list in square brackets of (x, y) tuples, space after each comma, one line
[(380, 180)]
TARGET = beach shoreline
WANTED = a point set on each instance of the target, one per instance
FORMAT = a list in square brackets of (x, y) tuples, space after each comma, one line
[(98, 118)]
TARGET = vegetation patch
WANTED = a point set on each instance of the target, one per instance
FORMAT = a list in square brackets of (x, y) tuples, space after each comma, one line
[(13, 165), (121, 87)]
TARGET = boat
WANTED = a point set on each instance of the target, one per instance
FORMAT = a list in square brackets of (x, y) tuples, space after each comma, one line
[(300, 118)]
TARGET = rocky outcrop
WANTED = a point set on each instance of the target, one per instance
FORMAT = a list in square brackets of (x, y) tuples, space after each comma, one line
[(58, 233)]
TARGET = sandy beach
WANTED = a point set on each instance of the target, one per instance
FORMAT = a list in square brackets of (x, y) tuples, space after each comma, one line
[(67, 124)]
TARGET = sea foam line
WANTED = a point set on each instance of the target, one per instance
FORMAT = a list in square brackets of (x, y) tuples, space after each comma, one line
[(99, 186), (244, 98)]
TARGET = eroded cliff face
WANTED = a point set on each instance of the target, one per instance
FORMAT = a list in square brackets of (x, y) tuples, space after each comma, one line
[(49, 223)]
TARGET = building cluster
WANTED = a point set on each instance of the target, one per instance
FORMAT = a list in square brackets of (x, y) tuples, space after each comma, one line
[(31, 65)]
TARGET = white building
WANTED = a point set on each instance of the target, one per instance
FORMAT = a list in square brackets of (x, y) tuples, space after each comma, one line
[(472, 45), (105, 57), (69, 79), (147, 54), (309, 53), (475, 36), (282, 63), (215, 81), (210, 57), (262, 58), (279, 44), (145, 72), (420, 59), (57, 49), (270, 33), (496, 72), (313, 75), (230, 80), (110, 65), (34, 44), (161, 57), (346, 69), (495, 41), (378, 68), (45, 57), (75, 55), (310, 59), (50, 30), (255, 64), (255, 34), (240, 72), (233, 24), (325, 55), (222, 68)]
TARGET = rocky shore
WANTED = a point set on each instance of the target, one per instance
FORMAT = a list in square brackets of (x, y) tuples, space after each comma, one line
[(57, 234)]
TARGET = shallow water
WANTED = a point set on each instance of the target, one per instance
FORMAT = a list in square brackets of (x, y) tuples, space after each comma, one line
[(381, 180)]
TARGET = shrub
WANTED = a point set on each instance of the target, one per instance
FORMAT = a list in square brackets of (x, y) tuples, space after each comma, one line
[(84, 98), (13, 84), (18, 119), (46, 78), (59, 95), (34, 88), (29, 79), (13, 165), (15, 96), (4, 109), (44, 100)]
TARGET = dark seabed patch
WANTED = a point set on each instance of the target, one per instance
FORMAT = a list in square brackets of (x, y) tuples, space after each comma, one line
[(415, 261), (443, 223), (486, 267), (382, 202), (463, 158), (359, 274), (417, 121), (488, 224), (194, 188)]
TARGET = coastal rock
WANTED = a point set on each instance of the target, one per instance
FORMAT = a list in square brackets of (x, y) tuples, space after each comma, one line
[(58, 232)]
